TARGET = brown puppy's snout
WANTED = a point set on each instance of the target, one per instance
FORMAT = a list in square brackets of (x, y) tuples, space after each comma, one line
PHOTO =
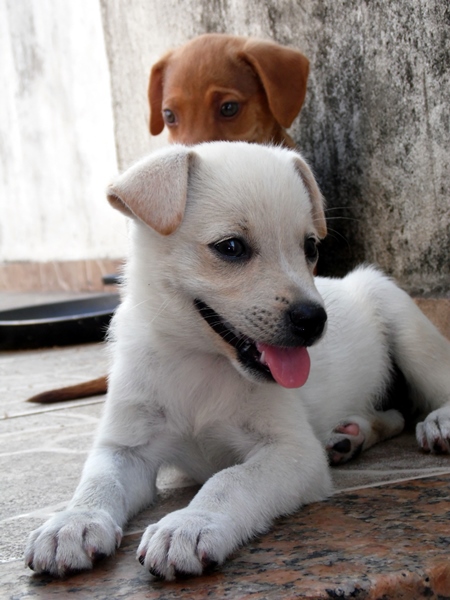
[(307, 322)]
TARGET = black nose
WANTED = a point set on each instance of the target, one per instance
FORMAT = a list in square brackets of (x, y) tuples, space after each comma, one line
[(307, 322)]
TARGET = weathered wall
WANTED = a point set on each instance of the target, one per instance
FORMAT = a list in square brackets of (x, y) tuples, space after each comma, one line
[(377, 130), (375, 126), (57, 148)]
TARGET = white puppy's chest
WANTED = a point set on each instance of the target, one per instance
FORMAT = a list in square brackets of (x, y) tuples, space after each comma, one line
[(209, 451), (214, 418)]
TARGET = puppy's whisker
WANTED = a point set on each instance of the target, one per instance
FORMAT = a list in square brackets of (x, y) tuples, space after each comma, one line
[(146, 301), (330, 208), (139, 304), (342, 219), (161, 309), (337, 234), (158, 312)]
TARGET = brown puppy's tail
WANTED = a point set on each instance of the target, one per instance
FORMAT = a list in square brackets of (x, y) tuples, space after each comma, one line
[(95, 387)]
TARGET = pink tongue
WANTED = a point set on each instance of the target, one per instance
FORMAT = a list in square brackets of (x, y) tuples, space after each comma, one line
[(289, 366)]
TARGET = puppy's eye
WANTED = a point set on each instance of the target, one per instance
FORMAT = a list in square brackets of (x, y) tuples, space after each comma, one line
[(232, 249), (169, 117), (311, 251), (229, 109)]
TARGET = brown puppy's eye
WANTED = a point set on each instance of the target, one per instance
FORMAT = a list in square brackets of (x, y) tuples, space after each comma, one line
[(169, 117), (229, 109)]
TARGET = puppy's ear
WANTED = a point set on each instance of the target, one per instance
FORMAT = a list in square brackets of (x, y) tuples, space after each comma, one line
[(283, 73), (155, 95), (315, 196), (154, 190)]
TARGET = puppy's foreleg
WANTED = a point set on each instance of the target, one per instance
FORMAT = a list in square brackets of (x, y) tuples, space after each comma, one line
[(232, 506), (433, 434), (116, 483)]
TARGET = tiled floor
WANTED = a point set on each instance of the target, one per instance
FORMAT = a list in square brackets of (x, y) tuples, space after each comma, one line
[(385, 534)]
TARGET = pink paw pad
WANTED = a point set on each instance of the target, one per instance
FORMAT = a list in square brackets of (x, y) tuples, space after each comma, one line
[(348, 428), (345, 442)]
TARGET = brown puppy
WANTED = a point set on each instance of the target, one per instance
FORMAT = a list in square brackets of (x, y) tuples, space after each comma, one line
[(218, 87), (224, 87)]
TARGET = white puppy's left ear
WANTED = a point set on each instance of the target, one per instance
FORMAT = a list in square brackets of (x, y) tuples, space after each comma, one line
[(154, 190), (315, 196)]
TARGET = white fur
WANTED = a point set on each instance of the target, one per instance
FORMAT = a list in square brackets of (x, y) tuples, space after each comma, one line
[(177, 393)]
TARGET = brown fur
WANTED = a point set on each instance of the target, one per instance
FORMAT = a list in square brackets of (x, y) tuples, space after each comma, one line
[(94, 387), (268, 81)]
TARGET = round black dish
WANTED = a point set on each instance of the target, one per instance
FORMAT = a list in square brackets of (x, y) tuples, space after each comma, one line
[(58, 323)]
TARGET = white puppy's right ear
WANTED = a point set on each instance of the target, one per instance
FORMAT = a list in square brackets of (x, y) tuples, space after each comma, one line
[(316, 198), (154, 190)]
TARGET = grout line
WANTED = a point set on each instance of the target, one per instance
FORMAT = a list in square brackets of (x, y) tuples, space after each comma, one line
[(47, 449), (7, 416), (436, 473), (44, 512), (5, 561)]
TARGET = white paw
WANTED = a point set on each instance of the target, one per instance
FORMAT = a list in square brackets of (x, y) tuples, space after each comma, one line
[(345, 442), (71, 541), (184, 543), (433, 434)]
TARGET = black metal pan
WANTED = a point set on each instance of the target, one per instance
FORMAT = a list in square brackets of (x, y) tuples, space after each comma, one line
[(58, 323)]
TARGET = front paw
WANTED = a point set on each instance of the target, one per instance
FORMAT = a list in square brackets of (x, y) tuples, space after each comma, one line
[(184, 543), (71, 541), (433, 434)]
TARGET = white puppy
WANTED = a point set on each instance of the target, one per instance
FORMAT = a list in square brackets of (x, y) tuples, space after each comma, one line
[(221, 322)]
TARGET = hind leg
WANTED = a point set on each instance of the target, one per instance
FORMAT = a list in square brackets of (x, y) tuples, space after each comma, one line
[(422, 354), (355, 434)]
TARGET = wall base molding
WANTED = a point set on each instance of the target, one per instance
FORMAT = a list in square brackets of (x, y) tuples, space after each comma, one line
[(57, 276)]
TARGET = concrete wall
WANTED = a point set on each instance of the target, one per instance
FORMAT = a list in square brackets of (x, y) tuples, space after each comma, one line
[(377, 130), (57, 147), (375, 126)]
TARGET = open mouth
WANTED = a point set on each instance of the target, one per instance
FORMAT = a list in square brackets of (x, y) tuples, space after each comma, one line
[(246, 348), (289, 367)]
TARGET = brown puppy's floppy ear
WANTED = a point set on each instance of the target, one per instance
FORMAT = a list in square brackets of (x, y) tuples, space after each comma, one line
[(154, 190), (155, 95), (315, 196), (283, 73)]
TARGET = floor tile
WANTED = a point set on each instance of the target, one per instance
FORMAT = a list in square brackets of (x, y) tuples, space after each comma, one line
[(384, 534), (27, 372), (389, 542)]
